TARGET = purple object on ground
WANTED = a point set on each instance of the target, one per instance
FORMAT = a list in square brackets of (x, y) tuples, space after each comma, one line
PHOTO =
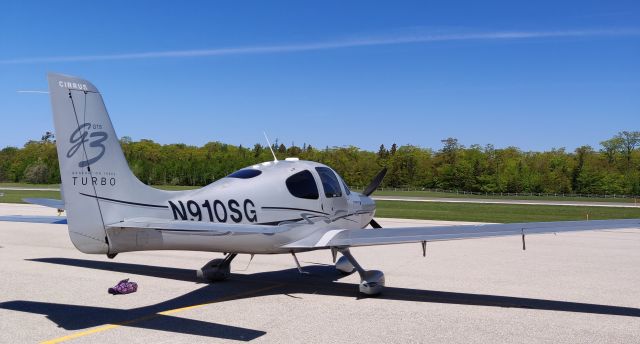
[(124, 287)]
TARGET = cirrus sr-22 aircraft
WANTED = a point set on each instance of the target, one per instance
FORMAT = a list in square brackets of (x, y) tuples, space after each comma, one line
[(276, 207)]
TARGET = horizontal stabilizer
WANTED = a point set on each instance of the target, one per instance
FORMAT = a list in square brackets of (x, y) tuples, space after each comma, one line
[(60, 220), (46, 202)]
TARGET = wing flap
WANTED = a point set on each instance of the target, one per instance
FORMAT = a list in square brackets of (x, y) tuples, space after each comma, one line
[(196, 227)]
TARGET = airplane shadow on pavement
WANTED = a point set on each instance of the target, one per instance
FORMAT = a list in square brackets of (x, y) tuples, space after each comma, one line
[(322, 280)]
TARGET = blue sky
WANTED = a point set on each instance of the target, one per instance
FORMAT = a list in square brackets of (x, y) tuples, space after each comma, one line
[(535, 75)]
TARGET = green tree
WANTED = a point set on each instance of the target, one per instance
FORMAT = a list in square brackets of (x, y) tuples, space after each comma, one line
[(629, 141), (611, 147), (37, 173)]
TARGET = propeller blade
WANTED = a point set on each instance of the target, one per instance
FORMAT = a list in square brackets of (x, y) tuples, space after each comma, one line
[(375, 182), (375, 224)]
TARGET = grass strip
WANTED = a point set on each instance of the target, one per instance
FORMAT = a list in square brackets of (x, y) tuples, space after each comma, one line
[(499, 213)]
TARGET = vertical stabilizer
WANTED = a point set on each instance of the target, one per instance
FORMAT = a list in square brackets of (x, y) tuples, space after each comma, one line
[(99, 188)]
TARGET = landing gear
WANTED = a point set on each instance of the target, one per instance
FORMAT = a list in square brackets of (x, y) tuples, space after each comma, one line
[(371, 281), (218, 269), (302, 272), (344, 266)]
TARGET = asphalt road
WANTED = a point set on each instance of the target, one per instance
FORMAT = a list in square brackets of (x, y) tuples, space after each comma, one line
[(506, 201), (566, 288)]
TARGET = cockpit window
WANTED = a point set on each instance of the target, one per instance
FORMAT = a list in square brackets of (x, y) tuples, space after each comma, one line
[(329, 182), (302, 185), (346, 188), (245, 173)]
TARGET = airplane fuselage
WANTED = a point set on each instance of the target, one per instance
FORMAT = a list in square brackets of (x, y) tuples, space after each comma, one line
[(307, 198)]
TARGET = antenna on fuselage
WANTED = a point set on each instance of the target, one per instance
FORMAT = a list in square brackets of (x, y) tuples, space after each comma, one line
[(32, 91), (270, 148)]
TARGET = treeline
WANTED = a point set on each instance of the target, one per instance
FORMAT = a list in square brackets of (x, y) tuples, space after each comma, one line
[(612, 168)]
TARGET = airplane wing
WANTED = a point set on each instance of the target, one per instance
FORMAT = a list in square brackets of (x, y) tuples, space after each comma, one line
[(369, 237), (192, 227)]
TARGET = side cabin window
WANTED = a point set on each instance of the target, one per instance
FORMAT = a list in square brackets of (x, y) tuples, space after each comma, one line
[(245, 173), (302, 185), (330, 182)]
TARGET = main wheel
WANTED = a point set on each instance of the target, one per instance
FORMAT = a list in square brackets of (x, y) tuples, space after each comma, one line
[(344, 266), (373, 282), (215, 271)]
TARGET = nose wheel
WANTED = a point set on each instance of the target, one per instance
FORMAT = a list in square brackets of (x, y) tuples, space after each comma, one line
[(371, 281)]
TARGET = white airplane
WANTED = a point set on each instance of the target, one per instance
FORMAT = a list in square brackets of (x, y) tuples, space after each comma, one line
[(274, 207)]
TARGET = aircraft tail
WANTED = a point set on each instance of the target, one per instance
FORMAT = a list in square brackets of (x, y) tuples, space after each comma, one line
[(100, 189)]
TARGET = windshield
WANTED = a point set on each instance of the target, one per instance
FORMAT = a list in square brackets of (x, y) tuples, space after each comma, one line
[(330, 182)]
